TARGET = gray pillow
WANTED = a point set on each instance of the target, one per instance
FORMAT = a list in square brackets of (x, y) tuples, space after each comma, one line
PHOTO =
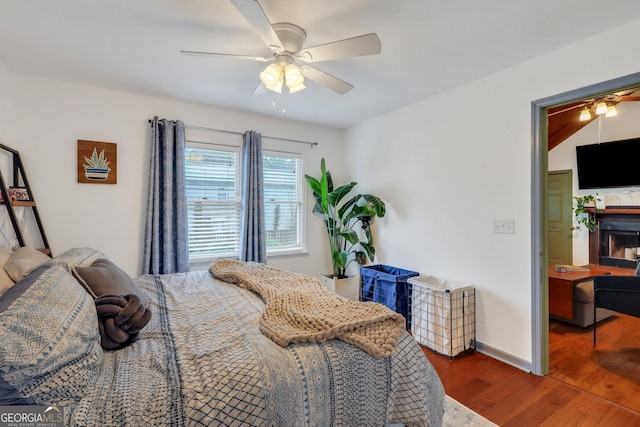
[(121, 305), (103, 277)]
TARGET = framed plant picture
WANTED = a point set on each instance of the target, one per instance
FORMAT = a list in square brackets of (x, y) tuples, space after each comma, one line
[(97, 162)]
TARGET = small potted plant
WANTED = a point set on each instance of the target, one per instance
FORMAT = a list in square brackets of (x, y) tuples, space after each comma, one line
[(347, 223), (586, 219)]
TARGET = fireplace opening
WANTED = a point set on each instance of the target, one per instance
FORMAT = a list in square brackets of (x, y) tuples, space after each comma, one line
[(619, 243)]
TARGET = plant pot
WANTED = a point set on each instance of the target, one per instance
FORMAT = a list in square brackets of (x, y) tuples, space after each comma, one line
[(348, 287), (328, 281)]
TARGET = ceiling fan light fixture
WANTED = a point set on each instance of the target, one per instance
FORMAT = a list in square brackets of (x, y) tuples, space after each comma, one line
[(293, 74), (585, 114), (601, 108), (611, 111), (297, 88), (293, 78), (271, 75), (277, 87)]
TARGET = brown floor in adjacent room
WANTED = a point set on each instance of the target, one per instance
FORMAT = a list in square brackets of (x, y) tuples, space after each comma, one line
[(585, 387), (611, 369)]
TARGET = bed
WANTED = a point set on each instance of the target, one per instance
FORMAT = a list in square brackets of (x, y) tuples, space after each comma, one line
[(201, 359)]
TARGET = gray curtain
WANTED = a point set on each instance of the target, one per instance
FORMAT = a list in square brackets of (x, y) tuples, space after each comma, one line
[(166, 231), (253, 246)]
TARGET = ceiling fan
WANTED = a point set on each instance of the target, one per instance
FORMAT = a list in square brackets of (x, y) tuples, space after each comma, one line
[(591, 108), (286, 43)]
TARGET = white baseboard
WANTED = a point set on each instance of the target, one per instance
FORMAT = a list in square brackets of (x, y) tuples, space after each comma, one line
[(502, 356)]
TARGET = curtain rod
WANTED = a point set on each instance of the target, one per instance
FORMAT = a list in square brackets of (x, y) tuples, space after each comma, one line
[(235, 146), (310, 143)]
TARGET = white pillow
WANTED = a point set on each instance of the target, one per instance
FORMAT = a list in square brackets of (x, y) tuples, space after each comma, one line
[(5, 254), (5, 281), (24, 260)]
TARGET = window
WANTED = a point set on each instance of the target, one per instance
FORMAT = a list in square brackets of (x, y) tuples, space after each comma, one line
[(213, 202), (283, 195)]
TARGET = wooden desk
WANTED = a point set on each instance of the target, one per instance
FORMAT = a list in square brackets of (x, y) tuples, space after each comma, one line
[(561, 287)]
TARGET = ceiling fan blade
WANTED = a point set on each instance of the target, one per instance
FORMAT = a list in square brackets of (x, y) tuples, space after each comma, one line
[(368, 44), (564, 108), (255, 16), (225, 55), (327, 80), (261, 90), (628, 98)]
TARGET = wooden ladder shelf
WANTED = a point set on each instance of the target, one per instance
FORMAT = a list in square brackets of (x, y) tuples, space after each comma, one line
[(19, 176)]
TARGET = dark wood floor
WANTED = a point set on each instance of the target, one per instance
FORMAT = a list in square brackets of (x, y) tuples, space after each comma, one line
[(585, 387)]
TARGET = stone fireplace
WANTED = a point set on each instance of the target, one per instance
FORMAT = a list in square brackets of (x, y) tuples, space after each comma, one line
[(617, 242)]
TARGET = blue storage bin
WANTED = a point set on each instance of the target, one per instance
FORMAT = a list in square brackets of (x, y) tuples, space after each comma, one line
[(386, 285)]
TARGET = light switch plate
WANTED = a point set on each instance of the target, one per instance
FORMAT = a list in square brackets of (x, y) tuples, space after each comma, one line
[(504, 226)]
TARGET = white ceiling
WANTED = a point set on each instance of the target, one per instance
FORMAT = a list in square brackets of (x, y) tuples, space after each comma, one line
[(428, 46)]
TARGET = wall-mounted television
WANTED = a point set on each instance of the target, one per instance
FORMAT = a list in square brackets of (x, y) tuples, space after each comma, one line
[(609, 164)]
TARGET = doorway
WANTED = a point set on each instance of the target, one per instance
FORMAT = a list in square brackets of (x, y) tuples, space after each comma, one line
[(539, 185)]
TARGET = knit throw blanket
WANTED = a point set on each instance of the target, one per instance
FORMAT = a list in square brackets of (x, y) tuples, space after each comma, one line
[(300, 309)]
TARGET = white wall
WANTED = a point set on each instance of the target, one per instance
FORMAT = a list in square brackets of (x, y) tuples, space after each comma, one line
[(6, 126), (50, 116), (5, 103), (462, 159), (623, 126)]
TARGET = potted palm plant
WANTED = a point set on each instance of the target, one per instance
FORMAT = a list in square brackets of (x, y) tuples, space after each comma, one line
[(347, 221)]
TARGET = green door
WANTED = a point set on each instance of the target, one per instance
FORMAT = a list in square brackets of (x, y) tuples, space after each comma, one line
[(559, 217)]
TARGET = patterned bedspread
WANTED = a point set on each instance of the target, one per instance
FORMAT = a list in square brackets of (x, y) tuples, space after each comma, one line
[(203, 361)]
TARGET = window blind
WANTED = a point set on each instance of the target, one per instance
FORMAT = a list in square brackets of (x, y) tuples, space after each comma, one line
[(283, 201), (213, 179), (213, 201)]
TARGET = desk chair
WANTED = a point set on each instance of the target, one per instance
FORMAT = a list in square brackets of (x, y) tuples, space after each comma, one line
[(617, 293)]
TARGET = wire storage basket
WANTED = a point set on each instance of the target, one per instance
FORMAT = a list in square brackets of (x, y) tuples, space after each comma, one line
[(442, 314)]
